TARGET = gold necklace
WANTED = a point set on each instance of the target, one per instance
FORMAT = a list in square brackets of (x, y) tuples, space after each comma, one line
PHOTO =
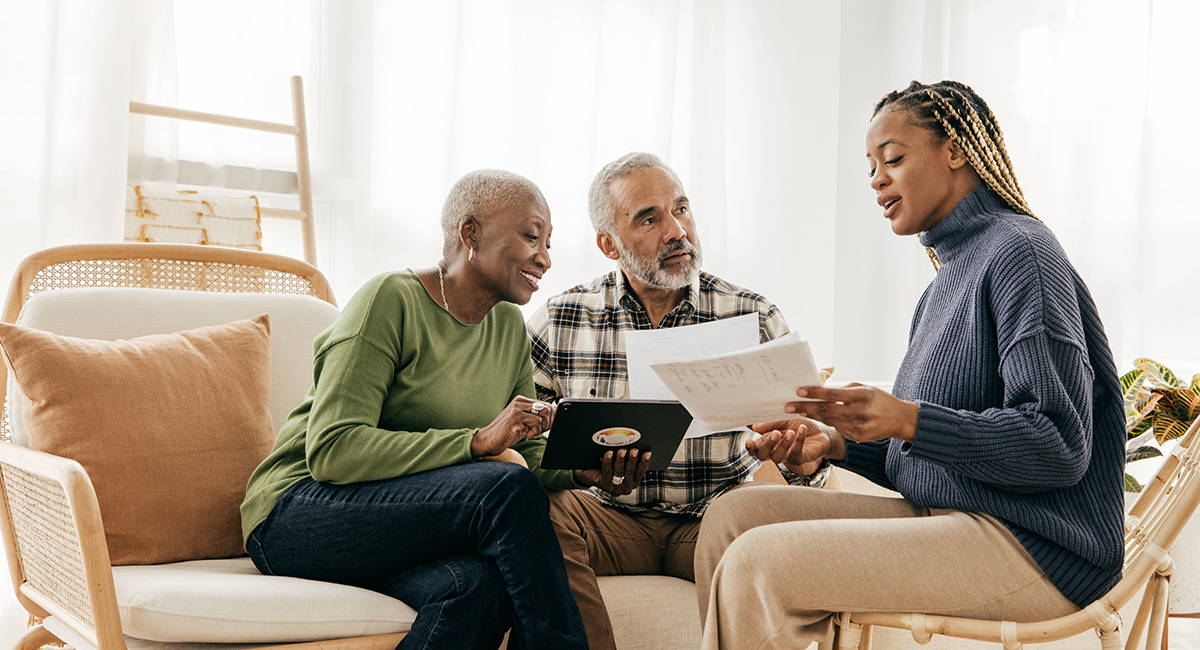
[(442, 289)]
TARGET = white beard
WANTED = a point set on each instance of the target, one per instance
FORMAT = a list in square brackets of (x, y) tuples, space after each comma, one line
[(654, 274)]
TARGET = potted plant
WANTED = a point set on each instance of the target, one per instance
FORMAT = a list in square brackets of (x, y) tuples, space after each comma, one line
[(1158, 406)]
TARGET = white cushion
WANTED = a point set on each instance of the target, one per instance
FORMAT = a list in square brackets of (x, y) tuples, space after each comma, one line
[(227, 601), (110, 313)]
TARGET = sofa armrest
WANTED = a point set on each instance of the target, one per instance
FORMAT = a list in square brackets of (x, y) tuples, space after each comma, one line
[(54, 539)]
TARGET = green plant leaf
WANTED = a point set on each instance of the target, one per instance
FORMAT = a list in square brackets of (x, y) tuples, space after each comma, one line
[(1133, 391), (1142, 453), (1156, 400), (1138, 441), (1168, 428), (1131, 484), (1189, 404), (1128, 378), (1157, 373), (1141, 424), (1141, 419), (1181, 404)]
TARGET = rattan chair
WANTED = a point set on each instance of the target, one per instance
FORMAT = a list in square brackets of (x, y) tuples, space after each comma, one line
[(1152, 525), (50, 519)]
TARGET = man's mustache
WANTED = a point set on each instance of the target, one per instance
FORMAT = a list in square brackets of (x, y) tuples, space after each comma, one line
[(679, 245)]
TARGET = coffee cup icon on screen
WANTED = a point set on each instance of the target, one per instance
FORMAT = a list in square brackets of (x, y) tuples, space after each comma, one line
[(616, 436)]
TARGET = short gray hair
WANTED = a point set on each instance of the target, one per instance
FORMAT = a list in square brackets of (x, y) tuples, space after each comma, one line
[(600, 205), (480, 194)]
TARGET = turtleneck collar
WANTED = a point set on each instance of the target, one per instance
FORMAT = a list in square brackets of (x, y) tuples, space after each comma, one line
[(972, 214)]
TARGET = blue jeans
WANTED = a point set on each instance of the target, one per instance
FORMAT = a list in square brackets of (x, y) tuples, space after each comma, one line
[(470, 547)]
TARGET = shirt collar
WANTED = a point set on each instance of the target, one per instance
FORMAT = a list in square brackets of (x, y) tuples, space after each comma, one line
[(629, 300)]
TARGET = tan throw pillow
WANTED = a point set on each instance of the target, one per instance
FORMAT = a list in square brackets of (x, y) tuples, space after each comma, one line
[(168, 427)]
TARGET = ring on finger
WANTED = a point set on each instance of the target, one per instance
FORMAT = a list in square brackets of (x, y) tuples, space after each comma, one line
[(617, 480), (537, 407)]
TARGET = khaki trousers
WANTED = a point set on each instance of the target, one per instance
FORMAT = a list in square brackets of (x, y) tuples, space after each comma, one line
[(597, 540), (773, 563)]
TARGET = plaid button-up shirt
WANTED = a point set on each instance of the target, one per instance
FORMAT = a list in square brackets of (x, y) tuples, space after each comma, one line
[(579, 351)]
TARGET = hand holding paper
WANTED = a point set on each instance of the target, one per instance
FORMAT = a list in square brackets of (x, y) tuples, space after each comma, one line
[(743, 387)]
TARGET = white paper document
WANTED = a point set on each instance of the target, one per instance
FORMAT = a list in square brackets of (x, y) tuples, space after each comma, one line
[(644, 347), (743, 387)]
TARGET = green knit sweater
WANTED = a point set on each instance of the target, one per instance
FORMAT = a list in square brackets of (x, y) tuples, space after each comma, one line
[(399, 387)]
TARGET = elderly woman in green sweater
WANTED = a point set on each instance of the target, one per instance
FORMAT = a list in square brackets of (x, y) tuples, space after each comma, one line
[(373, 480), (1004, 432)]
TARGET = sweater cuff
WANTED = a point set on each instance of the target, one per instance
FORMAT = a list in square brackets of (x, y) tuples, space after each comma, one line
[(817, 479), (938, 435)]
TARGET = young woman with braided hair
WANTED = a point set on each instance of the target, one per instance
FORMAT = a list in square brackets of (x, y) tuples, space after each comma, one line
[(1004, 432)]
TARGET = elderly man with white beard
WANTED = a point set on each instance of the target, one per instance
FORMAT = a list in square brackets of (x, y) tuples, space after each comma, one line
[(629, 520)]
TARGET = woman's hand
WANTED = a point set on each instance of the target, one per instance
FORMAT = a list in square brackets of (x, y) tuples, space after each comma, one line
[(859, 413), (620, 472), (799, 443), (522, 419)]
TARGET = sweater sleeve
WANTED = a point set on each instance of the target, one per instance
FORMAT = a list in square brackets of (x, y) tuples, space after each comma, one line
[(344, 442), (532, 450), (869, 460), (1040, 440)]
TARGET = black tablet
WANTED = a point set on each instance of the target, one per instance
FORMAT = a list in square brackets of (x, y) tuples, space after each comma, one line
[(586, 428)]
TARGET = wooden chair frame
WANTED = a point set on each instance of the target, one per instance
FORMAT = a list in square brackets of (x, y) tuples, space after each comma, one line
[(1151, 526), (54, 537), (298, 130)]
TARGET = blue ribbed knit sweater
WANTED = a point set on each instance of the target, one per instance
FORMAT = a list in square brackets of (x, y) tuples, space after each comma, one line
[(1020, 412)]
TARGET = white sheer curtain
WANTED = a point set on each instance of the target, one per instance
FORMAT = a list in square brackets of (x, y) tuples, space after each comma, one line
[(64, 75), (406, 97), (1094, 97), (760, 105), (65, 80)]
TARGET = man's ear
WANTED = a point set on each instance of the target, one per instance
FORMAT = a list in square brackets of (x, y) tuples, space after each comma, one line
[(607, 245), (956, 156)]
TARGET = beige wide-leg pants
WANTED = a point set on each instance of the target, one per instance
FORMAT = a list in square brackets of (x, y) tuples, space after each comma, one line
[(774, 562)]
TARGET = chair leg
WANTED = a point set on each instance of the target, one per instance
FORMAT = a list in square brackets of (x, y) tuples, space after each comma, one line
[(1158, 613), (34, 638), (1110, 640), (1137, 630), (849, 633)]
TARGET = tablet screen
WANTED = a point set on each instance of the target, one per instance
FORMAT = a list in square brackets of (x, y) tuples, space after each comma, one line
[(585, 429)]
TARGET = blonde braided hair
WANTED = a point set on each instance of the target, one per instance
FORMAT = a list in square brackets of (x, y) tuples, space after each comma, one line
[(953, 110)]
